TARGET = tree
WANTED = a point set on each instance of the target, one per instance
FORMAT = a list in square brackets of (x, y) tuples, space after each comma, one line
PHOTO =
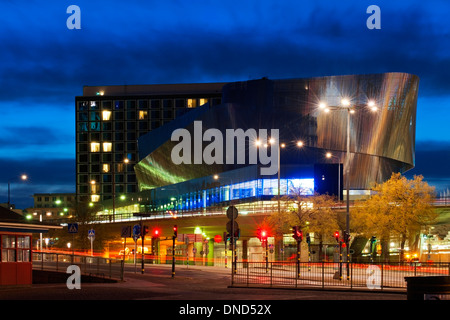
[(312, 213), (399, 207)]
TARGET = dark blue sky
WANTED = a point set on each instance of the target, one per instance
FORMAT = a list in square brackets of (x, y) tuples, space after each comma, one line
[(44, 65)]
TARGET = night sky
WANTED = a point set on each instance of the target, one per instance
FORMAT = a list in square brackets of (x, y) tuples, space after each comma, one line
[(44, 65)]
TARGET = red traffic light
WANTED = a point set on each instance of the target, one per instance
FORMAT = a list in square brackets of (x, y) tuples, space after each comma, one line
[(175, 230), (156, 233), (264, 235), (297, 233), (261, 234), (336, 235)]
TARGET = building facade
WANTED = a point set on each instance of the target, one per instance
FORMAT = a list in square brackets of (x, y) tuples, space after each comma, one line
[(355, 129), (53, 206), (109, 122)]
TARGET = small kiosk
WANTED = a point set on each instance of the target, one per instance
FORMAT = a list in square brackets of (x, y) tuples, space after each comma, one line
[(16, 266)]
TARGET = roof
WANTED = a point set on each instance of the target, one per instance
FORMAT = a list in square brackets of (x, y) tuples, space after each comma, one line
[(7, 215), (13, 222)]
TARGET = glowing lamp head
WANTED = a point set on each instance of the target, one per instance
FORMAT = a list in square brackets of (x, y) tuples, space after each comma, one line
[(345, 102)]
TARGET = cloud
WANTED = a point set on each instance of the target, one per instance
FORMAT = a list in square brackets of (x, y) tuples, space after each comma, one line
[(17, 136), (180, 42), (45, 65)]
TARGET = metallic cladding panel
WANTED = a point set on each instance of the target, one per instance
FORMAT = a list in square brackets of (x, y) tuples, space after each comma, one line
[(381, 142)]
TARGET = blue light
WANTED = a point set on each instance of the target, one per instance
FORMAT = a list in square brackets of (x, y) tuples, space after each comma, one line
[(257, 189)]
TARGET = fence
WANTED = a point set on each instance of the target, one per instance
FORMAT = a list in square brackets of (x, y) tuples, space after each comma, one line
[(89, 265), (329, 274)]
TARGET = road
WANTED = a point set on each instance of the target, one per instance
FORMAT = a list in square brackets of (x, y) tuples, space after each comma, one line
[(189, 283), (192, 288)]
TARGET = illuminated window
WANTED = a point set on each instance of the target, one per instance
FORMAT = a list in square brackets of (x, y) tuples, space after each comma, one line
[(107, 146), (8, 248), (142, 115), (106, 167), (191, 103), (95, 198), (106, 115), (94, 188), (95, 147), (203, 101), (23, 249)]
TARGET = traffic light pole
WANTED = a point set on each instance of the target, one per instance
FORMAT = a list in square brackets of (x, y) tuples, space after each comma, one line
[(347, 244), (267, 256), (226, 262), (233, 244), (173, 257), (298, 258), (340, 260), (142, 252)]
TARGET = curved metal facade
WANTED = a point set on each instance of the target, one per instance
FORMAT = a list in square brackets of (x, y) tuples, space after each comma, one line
[(380, 142)]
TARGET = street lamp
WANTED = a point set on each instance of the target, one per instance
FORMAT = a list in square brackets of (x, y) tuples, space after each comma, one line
[(23, 177), (346, 104)]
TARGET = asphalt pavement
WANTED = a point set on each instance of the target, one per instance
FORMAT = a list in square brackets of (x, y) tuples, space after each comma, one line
[(189, 283), (191, 292)]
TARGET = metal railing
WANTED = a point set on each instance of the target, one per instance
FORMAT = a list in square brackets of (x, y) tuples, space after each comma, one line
[(323, 275), (89, 265)]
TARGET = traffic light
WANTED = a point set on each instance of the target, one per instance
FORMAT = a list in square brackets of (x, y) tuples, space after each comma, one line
[(156, 233), (264, 235), (336, 236), (297, 233), (308, 238), (346, 237), (144, 230), (175, 231), (237, 233)]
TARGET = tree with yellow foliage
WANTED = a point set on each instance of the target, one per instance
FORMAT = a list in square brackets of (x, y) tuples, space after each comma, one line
[(312, 213), (398, 208)]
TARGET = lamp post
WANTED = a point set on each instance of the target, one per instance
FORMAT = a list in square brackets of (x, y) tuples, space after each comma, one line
[(23, 177), (347, 105)]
